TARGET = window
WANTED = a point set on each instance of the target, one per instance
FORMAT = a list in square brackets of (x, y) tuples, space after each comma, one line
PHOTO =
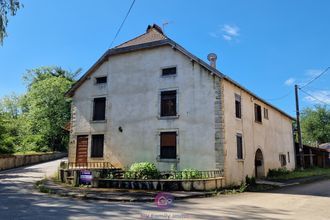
[(283, 160), (97, 145), (100, 80), (168, 145), (99, 109), (169, 71), (239, 142), (168, 103), (257, 113), (288, 156), (265, 113), (238, 108)]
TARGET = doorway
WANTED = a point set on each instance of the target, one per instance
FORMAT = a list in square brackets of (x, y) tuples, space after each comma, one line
[(82, 148), (259, 165)]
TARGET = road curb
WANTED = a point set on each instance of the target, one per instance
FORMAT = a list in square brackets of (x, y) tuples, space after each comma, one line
[(45, 187)]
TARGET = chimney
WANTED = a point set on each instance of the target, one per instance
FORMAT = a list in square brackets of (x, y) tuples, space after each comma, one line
[(212, 57)]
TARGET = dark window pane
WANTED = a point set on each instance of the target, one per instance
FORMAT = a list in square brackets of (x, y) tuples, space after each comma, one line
[(168, 145), (100, 80), (238, 109), (168, 103), (265, 113), (257, 112), (239, 147), (97, 145), (99, 109), (169, 71)]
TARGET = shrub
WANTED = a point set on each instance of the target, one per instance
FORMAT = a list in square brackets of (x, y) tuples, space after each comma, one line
[(277, 172), (142, 170), (191, 174), (251, 181)]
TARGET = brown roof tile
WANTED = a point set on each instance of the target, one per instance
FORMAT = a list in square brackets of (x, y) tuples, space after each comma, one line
[(153, 33)]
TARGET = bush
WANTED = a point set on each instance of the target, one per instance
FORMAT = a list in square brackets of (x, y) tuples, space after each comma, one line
[(251, 181), (191, 174), (142, 170), (277, 172)]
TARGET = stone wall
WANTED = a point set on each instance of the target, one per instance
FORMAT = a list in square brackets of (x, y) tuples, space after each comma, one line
[(12, 161)]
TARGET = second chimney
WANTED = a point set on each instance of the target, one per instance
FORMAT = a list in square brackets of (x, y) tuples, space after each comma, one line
[(212, 57)]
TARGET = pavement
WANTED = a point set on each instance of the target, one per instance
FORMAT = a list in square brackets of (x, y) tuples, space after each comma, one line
[(114, 195), (20, 200)]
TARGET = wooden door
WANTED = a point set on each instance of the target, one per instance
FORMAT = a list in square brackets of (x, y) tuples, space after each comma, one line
[(82, 149)]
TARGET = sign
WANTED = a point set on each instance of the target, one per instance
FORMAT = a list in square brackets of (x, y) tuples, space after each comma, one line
[(85, 177), (164, 200)]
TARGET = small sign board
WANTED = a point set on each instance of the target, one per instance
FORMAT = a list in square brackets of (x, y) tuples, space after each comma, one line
[(85, 177)]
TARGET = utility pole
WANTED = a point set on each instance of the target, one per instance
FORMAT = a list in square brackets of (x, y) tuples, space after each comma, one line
[(301, 149)]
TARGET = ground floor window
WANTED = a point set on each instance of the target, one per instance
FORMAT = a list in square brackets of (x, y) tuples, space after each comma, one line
[(97, 145), (168, 145), (283, 160), (239, 143)]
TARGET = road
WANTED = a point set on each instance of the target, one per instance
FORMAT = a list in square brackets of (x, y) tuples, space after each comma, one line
[(19, 200)]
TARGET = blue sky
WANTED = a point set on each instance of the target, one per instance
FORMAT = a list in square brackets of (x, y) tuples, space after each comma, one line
[(267, 46)]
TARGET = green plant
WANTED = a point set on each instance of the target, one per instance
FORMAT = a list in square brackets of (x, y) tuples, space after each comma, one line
[(191, 174), (277, 172), (251, 181), (142, 170)]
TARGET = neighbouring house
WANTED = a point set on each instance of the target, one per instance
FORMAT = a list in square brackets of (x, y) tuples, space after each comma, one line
[(314, 156), (149, 99), (325, 146)]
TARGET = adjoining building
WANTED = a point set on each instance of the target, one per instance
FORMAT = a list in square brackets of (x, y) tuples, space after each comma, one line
[(149, 99)]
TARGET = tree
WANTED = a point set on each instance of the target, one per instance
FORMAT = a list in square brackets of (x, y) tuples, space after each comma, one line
[(10, 123), (315, 125), (7, 7), (48, 110)]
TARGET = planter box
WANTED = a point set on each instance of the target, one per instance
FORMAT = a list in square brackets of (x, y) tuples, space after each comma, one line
[(162, 184)]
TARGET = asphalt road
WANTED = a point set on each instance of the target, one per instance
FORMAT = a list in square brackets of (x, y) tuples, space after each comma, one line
[(19, 200)]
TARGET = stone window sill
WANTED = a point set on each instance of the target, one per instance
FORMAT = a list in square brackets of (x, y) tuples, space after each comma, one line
[(168, 117), (165, 160)]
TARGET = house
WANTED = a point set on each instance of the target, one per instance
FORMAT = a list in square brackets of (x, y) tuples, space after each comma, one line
[(149, 99), (313, 156)]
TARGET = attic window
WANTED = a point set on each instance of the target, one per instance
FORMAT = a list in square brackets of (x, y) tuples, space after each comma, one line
[(257, 113), (169, 71), (101, 80)]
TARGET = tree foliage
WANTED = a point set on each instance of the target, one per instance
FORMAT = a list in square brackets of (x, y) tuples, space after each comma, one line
[(315, 125), (35, 120), (7, 7)]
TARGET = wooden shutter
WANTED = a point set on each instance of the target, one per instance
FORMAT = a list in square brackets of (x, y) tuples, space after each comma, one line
[(99, 109), (168, 145), (168, 103), (97, 145)]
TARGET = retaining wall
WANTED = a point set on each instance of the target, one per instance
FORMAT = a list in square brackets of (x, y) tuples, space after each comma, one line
[(12, 161)]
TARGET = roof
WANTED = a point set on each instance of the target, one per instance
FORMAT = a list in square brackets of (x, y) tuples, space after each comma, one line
[(325, 146), (154, 37), (153, 33)]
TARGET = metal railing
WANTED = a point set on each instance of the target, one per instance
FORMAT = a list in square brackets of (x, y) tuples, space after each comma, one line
[(88, 165)]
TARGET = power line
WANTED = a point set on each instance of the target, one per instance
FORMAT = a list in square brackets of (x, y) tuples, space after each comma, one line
[(318, 76), (279, 98), (122, 24), (313, 96)]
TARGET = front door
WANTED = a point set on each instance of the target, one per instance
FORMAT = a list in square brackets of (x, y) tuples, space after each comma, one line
[(82, 148)]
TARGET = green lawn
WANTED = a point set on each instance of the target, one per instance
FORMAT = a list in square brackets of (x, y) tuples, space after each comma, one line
[(301, 173)]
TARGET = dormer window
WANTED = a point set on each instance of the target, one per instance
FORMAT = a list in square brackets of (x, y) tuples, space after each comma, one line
[(169, 71), (101, 80)]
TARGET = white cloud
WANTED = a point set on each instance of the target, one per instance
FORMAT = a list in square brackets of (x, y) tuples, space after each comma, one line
[(313, 72), (227, 32), (321, 97), (289, 81)]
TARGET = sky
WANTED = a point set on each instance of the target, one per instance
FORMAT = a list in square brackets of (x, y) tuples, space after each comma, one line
[(265, 45)]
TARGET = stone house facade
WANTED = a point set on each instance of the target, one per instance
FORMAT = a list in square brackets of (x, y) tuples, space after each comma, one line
[(149, 99)]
